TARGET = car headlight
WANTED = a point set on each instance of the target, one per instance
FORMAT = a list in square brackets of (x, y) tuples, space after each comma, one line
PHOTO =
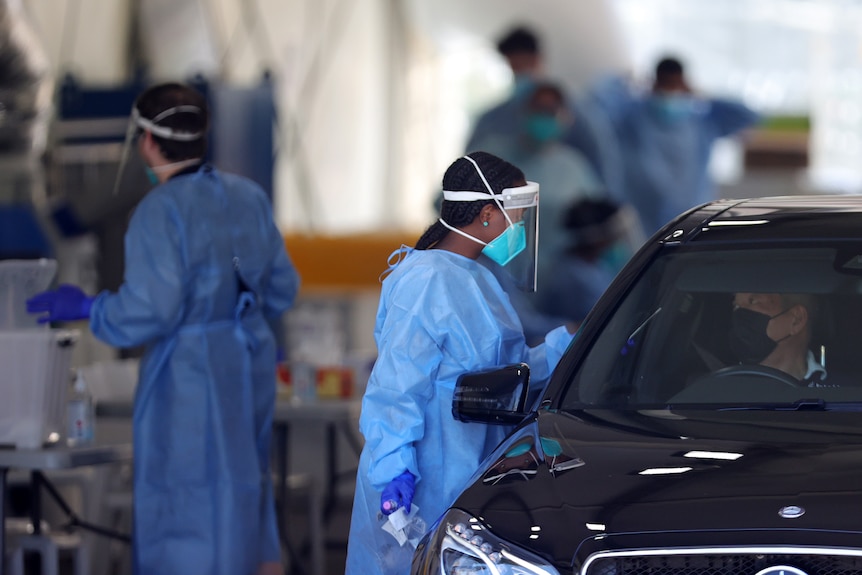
[(462, 545)]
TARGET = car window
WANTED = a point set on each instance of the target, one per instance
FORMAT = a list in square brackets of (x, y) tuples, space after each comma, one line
[(671, 339)]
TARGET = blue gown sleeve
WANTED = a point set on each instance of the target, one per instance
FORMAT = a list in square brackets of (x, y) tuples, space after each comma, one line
[(729, 116), (543, 358), (284, 279), (401, 384), (614, 97), (149, 302)]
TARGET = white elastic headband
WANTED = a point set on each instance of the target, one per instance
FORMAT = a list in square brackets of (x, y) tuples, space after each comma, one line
[(520, 196), (163, 131)]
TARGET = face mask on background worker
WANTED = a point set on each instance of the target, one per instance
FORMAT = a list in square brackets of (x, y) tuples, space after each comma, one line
[(543, 128), (673, 107)]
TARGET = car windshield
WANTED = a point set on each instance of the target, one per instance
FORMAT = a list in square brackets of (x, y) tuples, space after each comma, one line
[(778, 327)]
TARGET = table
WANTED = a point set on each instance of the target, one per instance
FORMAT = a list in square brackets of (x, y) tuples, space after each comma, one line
[(52, 458), (339, 415)]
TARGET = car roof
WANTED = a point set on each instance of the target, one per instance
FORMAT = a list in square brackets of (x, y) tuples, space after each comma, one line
[(769, 219)]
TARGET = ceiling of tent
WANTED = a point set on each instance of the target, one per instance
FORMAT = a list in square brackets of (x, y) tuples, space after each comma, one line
[(580, 38)]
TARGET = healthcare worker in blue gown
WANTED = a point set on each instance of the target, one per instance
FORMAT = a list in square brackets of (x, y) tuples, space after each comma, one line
[(590, 134), (666, 139), (205, 270), (442, 314)]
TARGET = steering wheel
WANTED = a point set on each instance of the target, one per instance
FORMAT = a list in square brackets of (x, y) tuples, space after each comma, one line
[(757, 371)]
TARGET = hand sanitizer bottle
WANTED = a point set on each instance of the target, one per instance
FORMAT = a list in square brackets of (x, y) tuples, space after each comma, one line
[(80, 413)]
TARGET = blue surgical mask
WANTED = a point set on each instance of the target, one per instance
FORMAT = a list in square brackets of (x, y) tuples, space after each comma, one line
[(152, 176), (507, 245), (672, 108), (543, 128)]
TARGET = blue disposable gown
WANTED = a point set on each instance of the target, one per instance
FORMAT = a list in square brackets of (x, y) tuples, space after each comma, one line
[(205, 268), (440, 315), (592, 134), (536, 323), (504, 119), (667, 162)]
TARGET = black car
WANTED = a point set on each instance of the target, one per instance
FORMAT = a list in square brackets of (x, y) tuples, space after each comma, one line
[(660, 447)]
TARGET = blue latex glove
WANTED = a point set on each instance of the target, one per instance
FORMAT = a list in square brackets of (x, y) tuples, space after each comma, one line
[(66, 303), (398, 493)]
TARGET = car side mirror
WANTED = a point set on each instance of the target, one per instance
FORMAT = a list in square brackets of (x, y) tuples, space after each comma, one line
[(496, 396)]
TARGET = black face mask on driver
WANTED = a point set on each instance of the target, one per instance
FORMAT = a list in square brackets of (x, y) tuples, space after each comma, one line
[(749, 341)]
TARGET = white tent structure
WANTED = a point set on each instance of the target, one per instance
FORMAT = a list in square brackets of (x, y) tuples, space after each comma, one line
[(375, 96)]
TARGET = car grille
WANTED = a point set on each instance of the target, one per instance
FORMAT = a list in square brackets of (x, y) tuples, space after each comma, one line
[(737, 563)]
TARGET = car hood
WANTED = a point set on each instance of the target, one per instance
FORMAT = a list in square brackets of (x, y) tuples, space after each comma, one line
[(566, 485)]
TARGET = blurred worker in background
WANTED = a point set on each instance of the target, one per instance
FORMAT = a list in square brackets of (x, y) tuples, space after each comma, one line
[(598, 247), (442, 314), (205, 268), (520, 48), (590, 133), (666, 138)]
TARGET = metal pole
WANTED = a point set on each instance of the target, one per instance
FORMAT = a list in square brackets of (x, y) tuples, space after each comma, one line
[(3, 472)]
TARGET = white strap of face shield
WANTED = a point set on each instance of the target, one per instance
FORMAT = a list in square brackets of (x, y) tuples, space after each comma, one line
[(472, 196), (163, 131), (517, 195)]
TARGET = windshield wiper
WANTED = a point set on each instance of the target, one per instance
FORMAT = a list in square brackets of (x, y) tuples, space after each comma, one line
[(643, 324), (630, 342)]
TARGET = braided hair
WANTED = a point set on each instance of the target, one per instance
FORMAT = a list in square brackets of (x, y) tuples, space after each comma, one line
[(462, 176)]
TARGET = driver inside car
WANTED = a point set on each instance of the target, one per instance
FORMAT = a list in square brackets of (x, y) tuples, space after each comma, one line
[(774, 330)]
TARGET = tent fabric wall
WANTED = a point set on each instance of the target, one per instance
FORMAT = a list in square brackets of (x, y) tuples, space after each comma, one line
[(369, 115)]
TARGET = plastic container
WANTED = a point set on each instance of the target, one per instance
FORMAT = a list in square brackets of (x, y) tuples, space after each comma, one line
[(303, 377), (19, 281), (111, 380), (406, 528), (33, 385), (80, 414)]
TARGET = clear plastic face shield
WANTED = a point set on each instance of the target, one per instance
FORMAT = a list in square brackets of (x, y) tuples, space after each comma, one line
[(138, 124), (516, 249)]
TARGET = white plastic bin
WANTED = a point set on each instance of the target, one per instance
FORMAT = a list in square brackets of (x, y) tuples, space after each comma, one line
[(33, 384), (19, 281), (112, 380)]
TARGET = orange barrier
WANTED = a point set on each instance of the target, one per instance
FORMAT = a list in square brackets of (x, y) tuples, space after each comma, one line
[(344, 262)]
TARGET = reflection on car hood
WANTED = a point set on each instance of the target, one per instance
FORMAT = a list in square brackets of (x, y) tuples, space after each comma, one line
[(589, 481)]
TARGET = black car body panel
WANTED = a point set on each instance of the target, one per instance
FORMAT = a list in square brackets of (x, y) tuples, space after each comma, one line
[(719, 502), (670, 480)]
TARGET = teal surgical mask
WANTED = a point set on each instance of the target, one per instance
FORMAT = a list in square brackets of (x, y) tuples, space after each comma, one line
[(673, 108), (615, 257), (507, 245), (543, 128), (152, 176)]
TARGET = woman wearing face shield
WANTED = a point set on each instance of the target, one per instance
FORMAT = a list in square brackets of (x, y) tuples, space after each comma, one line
[(443, 314), (206, 269)]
